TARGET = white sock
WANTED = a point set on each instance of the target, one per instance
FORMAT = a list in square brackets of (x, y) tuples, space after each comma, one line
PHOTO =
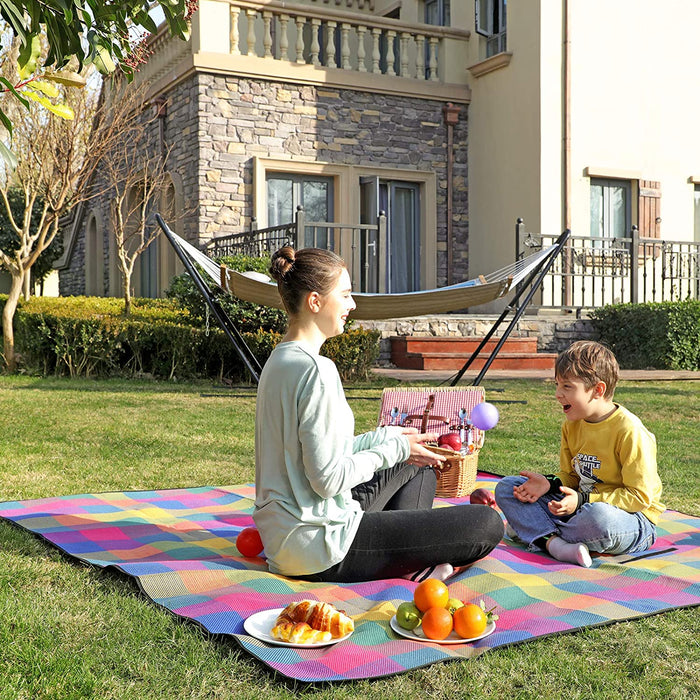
[(440, 572), (573, 552)]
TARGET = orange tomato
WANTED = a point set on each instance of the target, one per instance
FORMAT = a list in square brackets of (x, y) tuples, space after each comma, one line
[(469, 621), (437, 623), (431, 593)]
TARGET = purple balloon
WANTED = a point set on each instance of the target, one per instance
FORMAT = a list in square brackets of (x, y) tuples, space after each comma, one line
[(484, 416)]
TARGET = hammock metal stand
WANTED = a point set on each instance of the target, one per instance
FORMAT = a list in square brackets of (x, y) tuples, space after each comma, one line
[(233, 334), (530, 284)]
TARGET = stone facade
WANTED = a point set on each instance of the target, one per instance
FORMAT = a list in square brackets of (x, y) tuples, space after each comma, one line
[(218, 124)]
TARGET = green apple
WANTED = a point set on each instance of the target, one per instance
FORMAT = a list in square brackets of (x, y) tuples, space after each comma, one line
[(408, 616), (453, 604)]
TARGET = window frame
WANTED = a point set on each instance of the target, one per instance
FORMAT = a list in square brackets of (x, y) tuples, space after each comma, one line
[(490, 21)]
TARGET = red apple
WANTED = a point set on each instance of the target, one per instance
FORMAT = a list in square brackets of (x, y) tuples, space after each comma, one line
[(483, 497), (450, 440)]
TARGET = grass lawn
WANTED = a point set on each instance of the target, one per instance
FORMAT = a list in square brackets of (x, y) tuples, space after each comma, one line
[(70, 631)]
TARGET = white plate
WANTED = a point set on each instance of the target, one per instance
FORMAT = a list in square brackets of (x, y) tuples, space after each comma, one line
[(417, 634), (260, 623)]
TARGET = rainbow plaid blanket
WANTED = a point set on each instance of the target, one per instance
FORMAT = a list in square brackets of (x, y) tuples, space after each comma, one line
[(180, 546)]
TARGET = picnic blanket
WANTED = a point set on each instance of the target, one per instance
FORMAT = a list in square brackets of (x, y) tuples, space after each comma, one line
[(179, 545)]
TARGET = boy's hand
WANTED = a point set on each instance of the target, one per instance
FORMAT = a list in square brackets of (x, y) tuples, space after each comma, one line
[(567, 505), (535, 486)]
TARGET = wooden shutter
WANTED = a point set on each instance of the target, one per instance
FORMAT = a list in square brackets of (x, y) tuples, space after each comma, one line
[(649, 209)]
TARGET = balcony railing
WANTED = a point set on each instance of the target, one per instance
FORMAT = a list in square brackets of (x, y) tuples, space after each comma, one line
[(362, 246), (594, 271)]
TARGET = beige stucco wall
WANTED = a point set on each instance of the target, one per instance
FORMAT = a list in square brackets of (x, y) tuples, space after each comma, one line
[(634, 106), (635, 101), (505, 146)]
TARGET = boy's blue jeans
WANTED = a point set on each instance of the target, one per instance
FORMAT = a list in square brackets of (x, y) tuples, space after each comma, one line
[(600, 526)]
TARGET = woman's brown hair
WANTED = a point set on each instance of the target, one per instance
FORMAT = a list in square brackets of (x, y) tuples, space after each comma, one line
[(302, 271)]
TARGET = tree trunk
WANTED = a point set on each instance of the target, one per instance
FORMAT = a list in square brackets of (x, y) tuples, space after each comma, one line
[(27, 284), (8, 315), (126, 278)]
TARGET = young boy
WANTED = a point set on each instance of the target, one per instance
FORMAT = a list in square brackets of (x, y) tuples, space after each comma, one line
[(605, 497)]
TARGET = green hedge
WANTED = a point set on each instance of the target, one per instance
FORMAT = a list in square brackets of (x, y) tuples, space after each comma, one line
[(89, 337), (662, 335)]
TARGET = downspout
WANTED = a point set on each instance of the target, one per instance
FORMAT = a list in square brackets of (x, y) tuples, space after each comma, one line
[(568, 292), (451, 115)]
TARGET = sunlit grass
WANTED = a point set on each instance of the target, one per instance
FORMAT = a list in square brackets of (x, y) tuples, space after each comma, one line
[(71, 631)]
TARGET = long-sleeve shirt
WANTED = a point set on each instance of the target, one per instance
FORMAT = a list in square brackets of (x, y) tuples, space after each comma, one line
[(307, 460), (613, 461)]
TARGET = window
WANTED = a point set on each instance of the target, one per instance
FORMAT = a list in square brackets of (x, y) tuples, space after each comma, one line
[(437, 12), (610, 208), (491, 23), (286, 191), (94, 258)]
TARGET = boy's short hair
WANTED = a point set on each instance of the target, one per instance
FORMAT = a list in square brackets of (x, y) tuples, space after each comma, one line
[(590, 362)]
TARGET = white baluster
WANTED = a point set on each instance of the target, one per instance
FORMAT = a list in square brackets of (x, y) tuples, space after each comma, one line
[(345, 46), (300, 22), (433, 62), (315, 48), (233, 35), (376, 33), (284, 39), (404, 53), (420, 57), (390, 35), (251, 15), (330, 44), (361, 30), (267, 34)]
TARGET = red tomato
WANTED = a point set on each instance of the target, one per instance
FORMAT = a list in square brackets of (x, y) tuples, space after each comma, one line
[(249, 543)]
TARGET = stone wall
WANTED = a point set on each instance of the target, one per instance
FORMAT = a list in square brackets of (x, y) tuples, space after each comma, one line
[(241, 118), (553, 333), (218, 124)]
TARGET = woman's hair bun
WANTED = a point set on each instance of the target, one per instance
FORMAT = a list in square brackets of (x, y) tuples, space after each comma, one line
[(281, 261)]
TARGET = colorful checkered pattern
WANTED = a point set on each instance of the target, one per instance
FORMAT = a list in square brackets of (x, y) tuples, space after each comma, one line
[(180, 545)]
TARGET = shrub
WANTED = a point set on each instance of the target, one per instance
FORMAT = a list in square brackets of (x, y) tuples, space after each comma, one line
[(354, 352), (247, 317), (89, 336), (662, 335)]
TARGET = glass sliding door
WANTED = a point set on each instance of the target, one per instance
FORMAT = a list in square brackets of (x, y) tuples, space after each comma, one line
[(401, 203)]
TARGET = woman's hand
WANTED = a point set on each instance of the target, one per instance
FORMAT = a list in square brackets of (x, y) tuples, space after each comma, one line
[(420, 455), (535, 486)]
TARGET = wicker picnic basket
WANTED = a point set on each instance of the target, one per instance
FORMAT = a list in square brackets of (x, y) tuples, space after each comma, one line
[(457, 477), (437, 409)]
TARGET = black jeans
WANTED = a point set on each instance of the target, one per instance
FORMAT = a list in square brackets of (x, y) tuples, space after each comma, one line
[(401, 533)]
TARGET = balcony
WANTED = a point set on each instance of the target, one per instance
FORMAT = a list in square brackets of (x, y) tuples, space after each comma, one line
[(316, 45)]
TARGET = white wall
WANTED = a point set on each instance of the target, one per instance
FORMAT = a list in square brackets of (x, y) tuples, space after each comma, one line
[(636, 100), (634, 106)]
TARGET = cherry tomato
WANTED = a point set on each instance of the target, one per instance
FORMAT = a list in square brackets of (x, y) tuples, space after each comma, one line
[(249, 543)]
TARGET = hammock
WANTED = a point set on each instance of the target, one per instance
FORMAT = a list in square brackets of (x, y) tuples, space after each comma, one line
[(257, 288)]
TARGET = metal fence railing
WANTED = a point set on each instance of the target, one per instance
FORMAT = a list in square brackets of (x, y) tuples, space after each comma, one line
[(594, 271), (363, 247)]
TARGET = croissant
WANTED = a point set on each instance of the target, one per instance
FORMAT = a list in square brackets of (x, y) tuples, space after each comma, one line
[(310, 621)]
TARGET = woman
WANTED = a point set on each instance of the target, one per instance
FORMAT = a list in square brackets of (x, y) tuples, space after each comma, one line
[(330, 506)]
